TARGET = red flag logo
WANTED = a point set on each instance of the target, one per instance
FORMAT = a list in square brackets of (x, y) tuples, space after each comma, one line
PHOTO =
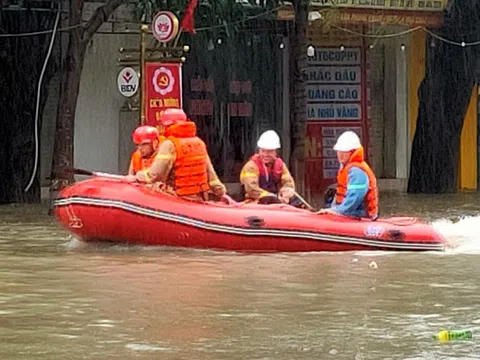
[(188, 21)]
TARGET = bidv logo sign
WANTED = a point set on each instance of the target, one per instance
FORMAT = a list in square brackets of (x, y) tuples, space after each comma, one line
[(127, 82)]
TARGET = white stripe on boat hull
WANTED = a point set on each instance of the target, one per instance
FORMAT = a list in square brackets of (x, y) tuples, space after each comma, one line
[(244, 231)]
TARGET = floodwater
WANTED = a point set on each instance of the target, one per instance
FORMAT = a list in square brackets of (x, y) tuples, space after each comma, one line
[(61, 299)]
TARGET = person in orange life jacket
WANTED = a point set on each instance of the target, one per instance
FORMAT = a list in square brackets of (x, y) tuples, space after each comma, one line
[(357, 193), (147, 140), (265, 174), (182, 161)]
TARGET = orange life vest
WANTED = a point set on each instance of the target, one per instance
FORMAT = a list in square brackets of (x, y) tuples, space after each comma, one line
[(139, 163), (371, 199), (190, 167), (269, 177)]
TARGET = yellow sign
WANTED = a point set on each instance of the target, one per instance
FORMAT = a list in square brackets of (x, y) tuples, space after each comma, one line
[(374, 16), (385, 19), (415, 5)]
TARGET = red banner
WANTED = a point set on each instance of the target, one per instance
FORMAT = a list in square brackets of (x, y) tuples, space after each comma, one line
[(163, 89)]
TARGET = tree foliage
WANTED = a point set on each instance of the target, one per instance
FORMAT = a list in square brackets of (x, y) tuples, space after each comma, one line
[(444, 96), (21, 61), (79, 37), (217, 15)]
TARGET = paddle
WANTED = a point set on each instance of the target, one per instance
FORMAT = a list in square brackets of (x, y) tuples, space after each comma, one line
[(91, 173), (311, 208), (229, 200), (273, 199), (305, 202), (77, 171)]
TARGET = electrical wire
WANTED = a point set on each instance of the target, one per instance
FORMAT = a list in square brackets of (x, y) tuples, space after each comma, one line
[(386, 36), (39, 90)]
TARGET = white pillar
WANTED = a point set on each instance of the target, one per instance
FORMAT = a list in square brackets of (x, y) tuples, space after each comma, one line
[(402, 108), (390, 111), (286, 101)]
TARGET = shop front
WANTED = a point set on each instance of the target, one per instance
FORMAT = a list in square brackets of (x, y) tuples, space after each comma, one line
[(366, 61)]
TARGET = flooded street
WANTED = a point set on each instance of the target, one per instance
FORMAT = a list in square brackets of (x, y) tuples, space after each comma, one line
[(61, 299)]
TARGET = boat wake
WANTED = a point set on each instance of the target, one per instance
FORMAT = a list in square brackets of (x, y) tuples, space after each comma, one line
[(462, 234), (74, 244)]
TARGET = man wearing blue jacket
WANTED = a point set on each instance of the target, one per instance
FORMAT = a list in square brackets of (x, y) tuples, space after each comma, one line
[(357, 193)]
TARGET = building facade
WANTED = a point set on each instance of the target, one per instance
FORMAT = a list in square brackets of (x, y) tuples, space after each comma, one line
[(364, 74), (235, 88)]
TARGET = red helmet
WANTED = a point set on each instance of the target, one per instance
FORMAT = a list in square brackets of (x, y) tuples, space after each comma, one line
[(143, 134), (172, 116)]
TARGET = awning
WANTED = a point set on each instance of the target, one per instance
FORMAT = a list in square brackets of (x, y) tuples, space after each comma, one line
[(412, 13)]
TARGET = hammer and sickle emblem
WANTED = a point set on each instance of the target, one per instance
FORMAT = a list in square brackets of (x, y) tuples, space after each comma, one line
[(163, 80)]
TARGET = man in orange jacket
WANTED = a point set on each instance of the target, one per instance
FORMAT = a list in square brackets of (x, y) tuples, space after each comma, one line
[(147, 140), (357, 193), (182, 161), (265, 176)]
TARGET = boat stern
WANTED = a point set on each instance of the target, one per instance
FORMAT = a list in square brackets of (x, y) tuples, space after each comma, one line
[(408, 234)]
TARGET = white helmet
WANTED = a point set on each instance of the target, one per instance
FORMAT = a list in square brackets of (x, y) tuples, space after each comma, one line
[(269, 140), (347, 141)]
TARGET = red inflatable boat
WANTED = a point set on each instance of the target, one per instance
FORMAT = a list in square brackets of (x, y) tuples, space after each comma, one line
[(101, 209)]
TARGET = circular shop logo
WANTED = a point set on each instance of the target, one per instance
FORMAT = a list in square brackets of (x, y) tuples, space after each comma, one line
[(165, 26)]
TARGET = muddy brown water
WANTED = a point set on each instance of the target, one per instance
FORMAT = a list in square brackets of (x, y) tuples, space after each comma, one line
[(62, 299)]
